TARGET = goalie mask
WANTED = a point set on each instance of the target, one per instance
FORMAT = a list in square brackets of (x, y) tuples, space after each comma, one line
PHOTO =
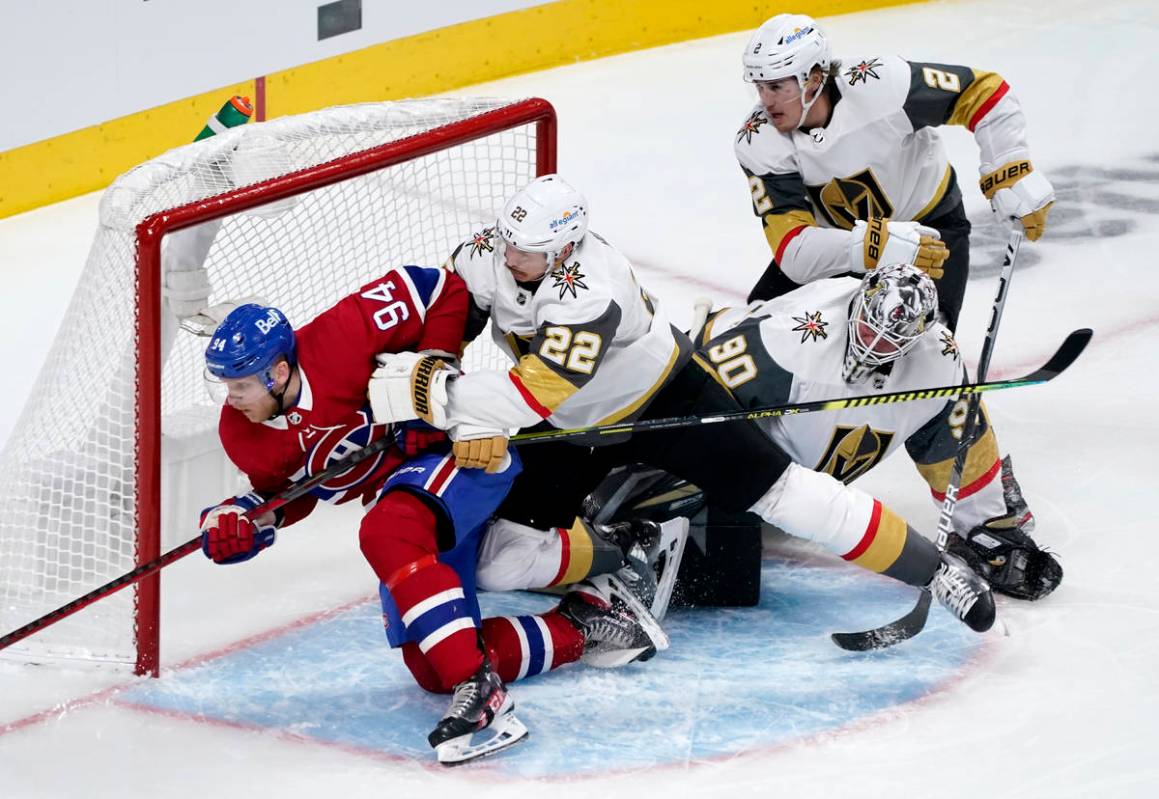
[(788, 46), (545, 217), (892, 308)]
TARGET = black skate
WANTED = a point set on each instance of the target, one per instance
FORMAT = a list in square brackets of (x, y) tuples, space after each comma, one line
[(963, 593), (480, 721), (653, 552), (616, 626)]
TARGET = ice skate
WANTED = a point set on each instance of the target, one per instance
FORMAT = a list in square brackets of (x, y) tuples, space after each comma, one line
[(617, 628), (480, 721), (962, 592)]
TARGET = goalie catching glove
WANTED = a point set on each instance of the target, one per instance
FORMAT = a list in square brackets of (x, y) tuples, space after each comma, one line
[(1016, 191), (479, 448), (880, 241), (227, 536), (410, 385)]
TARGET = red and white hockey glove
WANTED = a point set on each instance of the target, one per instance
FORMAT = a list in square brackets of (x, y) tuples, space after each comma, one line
[(227, 536), (1016, 191)]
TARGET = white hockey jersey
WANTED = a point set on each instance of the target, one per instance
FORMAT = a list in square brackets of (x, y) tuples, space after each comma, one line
[(791, 349), (590, 346), (879, 155)]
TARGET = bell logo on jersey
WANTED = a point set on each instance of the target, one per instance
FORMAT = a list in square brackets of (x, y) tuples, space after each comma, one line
[(853, 451), (843, 201)]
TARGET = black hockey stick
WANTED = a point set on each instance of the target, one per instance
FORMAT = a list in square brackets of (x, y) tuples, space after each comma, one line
[(914, 622), (295, 491), (1066, 354)]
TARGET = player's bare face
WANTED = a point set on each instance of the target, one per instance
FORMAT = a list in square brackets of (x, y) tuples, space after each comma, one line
[(782, 102), (249, 395), (524, 266)]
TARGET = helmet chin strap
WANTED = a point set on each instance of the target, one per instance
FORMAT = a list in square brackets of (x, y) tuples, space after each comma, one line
[(280, 397), (805, 106)]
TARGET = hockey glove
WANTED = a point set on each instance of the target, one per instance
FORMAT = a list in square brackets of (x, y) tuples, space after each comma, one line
[(409, 385), (415, 437), (479, 448), (227, 536), (1016, 191), (1008, 558), (881, 241)]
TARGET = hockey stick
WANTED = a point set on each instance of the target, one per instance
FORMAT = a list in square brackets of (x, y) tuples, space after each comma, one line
[(295, 491), (914, 622), (1066, 354)]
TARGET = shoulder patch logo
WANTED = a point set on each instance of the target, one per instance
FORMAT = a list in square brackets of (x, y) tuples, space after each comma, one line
[(811, 327), (483, 241), (949, 346), (751, 127), (863, 72), (568, 279)]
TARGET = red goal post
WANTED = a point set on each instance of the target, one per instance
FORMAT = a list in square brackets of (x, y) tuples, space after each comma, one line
[(298, 211)]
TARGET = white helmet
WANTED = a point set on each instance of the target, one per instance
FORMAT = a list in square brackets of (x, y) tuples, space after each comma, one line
[(545, 217), (892, 308), (786, 45)]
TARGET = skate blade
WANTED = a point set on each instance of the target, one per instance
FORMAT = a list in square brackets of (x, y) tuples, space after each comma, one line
[(505, 731), (673, 537), (617, 657), (614, 586)]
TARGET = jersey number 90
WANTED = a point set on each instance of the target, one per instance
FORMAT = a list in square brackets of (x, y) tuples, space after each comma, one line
[(735, 366)]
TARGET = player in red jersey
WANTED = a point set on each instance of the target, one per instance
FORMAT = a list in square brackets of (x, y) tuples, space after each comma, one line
[(297, 400)]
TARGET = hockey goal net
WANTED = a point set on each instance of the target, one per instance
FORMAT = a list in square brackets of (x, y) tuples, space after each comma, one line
[(117, 448)]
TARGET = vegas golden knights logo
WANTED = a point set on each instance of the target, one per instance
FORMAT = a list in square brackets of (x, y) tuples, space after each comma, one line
[(853, 451), (843, 201)]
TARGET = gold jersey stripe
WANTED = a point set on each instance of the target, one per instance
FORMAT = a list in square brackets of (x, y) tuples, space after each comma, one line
[(706, 366), (887, 543), (578, 542), (979, 459), (547, 387), (939, 193), (779, 225), (976, 95), (647, 395)]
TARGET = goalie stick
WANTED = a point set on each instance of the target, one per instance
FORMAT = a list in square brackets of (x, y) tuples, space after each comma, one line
[(295, 491), (914, 622)]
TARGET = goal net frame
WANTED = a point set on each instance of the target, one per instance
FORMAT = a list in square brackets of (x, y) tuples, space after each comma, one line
[(533, 113)]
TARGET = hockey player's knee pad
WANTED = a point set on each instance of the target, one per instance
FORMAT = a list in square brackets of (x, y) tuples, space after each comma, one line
[(400, 529)]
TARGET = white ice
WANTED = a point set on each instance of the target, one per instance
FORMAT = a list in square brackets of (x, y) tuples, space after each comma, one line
[(1065, 706)]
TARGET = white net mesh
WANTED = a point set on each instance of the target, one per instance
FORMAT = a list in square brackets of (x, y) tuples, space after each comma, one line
[(67, 501)]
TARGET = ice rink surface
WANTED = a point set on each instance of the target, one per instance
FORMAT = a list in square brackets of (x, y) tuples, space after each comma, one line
[(276, 679)]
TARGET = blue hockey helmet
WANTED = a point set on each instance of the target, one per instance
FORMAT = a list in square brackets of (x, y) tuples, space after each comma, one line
[(249, 341)]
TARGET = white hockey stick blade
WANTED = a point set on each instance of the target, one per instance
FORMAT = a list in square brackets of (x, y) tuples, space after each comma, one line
[(504, 731), (665, 560)]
